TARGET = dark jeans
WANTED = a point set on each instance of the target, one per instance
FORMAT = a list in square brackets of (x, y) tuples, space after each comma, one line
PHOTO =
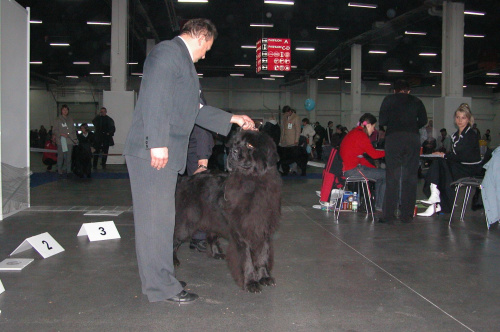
[(402, 151), (376, 174), (102, 151), (290, 155)]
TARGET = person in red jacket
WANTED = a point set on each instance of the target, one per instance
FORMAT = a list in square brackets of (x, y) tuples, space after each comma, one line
[(49, 158), (353, 149)]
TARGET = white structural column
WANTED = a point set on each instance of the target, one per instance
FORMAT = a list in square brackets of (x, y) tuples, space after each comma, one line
[(119, 33), (355, 84), (312, 93), (453, 49), (452, 68)]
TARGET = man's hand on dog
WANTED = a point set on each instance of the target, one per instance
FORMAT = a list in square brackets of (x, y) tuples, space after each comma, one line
[(244, 122)]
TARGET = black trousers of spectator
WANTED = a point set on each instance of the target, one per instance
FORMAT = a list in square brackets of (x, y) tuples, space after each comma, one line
[(319, 150), (101, 150), (402, 152)]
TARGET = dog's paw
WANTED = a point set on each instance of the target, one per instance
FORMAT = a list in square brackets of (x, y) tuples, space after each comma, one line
[(219, 256), (253, 287), (267, 281)]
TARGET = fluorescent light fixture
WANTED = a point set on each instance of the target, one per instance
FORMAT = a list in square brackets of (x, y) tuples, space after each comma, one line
[(248, 46), (236, 75), (279, 2), (262, 25), (293, 67), (464, 86), (81, 63), (332, 77), (200, 74), (347, 69), (242, 65), (395, 70), (106, 76), (427, 54), (417, 33), (327, 28), (136, 74), (473, 36), (492, 74), (96, 73), (361, 5), (268, 78), (59, 44), (193, 1), (71, 76), (321, 79), (98, 23), (435, 72), (36, 62), (388, 84), (132, 63), (472, 12), (491, 83), (277, 76), (377, 52), (347, 82), (304, 48), (36, 22)]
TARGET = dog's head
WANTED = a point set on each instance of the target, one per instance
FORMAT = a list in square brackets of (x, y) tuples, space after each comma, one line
[(252, 153)]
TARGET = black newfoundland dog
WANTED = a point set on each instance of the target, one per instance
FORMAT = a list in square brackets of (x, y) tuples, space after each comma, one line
[(243, 206)]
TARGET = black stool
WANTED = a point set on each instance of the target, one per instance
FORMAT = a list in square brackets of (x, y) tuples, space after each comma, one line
[(468, 183)]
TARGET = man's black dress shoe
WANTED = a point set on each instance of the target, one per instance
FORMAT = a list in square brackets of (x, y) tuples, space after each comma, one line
[(385, 221), (183, 283), (200, 245), (183, 297)]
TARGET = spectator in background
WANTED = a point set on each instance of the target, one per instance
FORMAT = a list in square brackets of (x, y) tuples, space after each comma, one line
[(272, 128), (64, 129), (381, 138), (476, 130), (403, 115), (308, 132), (104, 131), (374, 137), (86, 140), (50, 158), (444, 142), (290, 130), (487, 137), (340, 132), (329, 133), (319, 138), (429, 145), (42, 133)]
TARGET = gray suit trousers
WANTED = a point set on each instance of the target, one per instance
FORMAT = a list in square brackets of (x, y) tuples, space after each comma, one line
[(153, 196)]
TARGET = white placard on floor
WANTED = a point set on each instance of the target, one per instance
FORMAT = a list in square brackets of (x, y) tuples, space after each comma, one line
[(15, 264), (98, 231), (2, 289), (44, 243)]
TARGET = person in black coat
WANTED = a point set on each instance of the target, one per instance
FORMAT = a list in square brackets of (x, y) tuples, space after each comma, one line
[(104, 131)]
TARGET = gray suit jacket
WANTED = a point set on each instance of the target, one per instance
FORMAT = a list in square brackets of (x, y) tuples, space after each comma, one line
[(169, 106)]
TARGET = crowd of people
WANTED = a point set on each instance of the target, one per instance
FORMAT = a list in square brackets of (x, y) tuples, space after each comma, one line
[(64, 138)]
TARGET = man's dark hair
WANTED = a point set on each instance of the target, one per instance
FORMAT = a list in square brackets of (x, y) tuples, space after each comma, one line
[(306, 120), (442, 130), (330, 122), (286, 108), (339, 127), (401, 86), (200, 27)]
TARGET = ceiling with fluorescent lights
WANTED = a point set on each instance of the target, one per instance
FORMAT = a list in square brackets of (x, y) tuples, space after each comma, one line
[(379, 29)]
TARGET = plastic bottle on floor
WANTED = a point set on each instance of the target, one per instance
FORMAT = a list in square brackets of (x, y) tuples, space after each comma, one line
[(355, 202)]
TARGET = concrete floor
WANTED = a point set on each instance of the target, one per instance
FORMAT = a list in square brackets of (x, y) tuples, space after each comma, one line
[(346, 275)]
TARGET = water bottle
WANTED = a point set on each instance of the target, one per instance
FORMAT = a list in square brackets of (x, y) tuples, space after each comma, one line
[(355, 202)]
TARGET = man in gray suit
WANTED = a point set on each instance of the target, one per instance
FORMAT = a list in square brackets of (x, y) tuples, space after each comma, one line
[(156, 150)]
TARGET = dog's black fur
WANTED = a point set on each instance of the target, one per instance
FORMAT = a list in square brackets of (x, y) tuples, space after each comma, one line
[(243, 206)]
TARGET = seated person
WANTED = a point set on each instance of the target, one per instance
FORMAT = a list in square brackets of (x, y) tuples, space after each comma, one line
[(49, 158), (464, 160), (354, 145)]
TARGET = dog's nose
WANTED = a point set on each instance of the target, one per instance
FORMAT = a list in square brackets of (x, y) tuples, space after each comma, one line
[(235, 153)]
